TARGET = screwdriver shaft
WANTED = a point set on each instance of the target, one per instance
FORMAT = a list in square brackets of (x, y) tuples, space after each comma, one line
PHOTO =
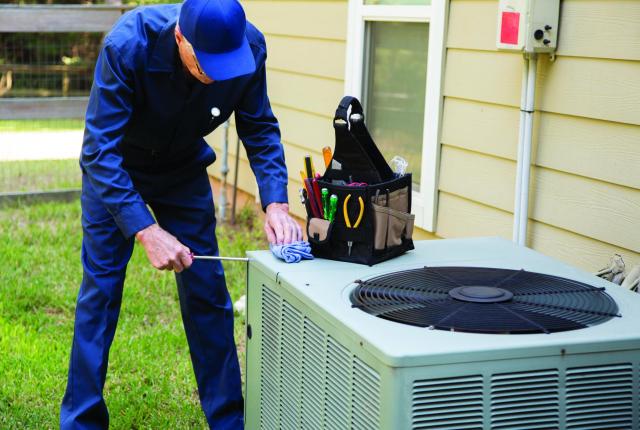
[(211, 257)]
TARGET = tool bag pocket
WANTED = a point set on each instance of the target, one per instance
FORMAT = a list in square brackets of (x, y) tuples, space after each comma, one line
[(348, 235), (391, 227), (373, 220), (319, 230), (392, 222)]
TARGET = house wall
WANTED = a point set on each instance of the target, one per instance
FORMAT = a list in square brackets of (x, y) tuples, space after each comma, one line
[(306, 43), (585, 187)]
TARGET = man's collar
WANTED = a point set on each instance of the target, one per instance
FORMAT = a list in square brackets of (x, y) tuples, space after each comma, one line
[(165, 53)]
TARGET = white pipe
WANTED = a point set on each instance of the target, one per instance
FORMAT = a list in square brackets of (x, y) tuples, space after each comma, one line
[(222, 201), (526, 151), (523, 105)]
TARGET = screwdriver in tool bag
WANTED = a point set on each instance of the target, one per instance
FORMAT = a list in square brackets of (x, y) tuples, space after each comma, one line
[(325, 202), (326, 154), (333, 207)]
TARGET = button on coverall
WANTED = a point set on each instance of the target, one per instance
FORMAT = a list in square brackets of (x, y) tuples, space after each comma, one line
[(143, 146)]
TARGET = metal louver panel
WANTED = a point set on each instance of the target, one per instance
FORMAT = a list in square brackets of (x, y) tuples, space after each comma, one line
[(600, 397), (313, 375), (365, 397), (291, 369), (448, 404), (309, 380), (337, 389), (525, 400), (270, 361)]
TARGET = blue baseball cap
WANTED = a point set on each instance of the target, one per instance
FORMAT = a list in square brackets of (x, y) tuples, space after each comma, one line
[(216, 30)]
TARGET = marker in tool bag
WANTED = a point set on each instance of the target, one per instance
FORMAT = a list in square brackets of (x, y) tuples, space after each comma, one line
[(317, 195), (313, 201), (308, 165)]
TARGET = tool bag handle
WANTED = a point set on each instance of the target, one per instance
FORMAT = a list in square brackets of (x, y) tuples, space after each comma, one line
[(355, 149)]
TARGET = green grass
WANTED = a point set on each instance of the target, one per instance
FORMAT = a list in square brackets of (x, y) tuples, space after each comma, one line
[(150, 383), (39, 175), (41, 125)]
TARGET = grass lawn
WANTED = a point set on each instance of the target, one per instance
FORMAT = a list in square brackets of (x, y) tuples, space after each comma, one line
[(150, 383), (39, 175), (60, 124)]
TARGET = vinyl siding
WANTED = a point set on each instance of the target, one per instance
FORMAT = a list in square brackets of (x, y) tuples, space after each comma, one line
[(306, 43), (585, 184)]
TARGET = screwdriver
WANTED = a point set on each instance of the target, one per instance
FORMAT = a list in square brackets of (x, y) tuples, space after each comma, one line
[(326, 154), (333, 207), (216, 257), (325, 202)]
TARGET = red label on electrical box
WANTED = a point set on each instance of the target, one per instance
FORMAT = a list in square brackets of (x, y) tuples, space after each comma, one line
[(510, 28)]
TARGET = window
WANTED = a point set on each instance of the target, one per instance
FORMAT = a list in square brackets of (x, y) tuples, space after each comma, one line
[(394, 62)]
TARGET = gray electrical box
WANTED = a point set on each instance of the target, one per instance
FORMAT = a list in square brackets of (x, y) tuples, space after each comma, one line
[(529, 26)]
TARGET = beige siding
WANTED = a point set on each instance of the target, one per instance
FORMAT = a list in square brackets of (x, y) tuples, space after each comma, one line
[(459, 217), (585, 187), (306, 42), (589, 28)]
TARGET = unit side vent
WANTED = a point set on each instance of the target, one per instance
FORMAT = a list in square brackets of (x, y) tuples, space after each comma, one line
[(309, 380), (337, 390), (291, 369), (365, 397), (447, 404), (270, 361), (525, 400), (313, 375), (600, 397)]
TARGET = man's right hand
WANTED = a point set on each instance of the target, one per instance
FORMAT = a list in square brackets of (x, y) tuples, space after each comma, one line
[(164, 251)]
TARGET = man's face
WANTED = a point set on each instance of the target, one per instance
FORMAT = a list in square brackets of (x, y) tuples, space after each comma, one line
[(189, 59)]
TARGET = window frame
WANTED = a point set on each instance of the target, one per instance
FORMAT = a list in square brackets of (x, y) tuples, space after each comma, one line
[(425, 201)]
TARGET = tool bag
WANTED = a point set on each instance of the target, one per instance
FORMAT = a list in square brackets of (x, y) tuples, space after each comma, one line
[(359, 175)]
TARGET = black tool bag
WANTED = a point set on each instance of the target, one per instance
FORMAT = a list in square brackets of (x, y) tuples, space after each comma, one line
[(386, 226)]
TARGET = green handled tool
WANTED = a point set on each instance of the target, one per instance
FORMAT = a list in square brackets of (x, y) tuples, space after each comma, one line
[(333, 207), (325, 202)]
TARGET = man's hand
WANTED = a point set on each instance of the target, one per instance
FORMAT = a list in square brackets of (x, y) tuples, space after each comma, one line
[(164, 251), (281, 229)]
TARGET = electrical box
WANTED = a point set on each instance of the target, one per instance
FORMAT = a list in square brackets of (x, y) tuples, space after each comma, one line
[(529, 26)]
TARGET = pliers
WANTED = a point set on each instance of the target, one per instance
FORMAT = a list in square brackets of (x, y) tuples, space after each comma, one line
[(347, 220)]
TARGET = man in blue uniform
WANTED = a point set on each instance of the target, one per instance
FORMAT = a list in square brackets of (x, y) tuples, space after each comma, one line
[(167, 76)]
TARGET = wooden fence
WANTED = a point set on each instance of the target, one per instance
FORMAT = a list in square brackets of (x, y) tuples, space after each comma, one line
[(52, 19)]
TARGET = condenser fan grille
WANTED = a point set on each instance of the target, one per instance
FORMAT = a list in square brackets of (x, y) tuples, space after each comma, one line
[(484, 300)]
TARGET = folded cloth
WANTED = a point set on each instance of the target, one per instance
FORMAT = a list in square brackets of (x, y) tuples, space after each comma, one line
[(293, 252)]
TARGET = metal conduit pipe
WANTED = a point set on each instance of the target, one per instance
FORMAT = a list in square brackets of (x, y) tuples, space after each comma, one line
[(523, 104), (224, 170), (521, 208)]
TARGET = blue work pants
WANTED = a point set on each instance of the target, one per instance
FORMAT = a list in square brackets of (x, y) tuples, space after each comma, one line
[(185, 209)]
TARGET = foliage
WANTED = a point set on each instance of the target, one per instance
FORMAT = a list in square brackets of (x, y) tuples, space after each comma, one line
[(150, 382)]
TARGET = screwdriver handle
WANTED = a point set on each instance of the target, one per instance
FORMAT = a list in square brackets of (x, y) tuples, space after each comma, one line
[(326, 154)]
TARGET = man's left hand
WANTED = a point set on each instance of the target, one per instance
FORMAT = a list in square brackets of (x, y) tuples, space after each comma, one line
[(280, 228)]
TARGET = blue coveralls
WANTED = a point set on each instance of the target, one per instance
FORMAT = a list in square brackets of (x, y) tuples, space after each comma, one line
[(143, 146)]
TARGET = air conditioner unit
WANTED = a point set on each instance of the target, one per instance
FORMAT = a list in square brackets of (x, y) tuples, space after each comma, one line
[(458, 334)]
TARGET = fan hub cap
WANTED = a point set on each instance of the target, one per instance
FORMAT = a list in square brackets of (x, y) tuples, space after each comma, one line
[(481, 294)]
